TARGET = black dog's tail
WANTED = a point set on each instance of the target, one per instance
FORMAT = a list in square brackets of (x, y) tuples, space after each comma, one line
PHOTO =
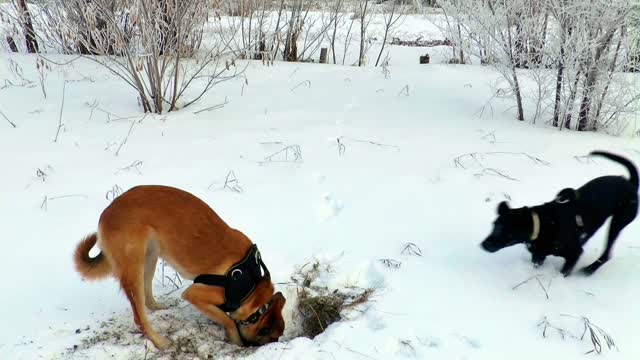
[(633, 172)]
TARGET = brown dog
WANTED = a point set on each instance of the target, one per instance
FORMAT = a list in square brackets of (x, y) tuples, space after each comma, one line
[(232, 286)]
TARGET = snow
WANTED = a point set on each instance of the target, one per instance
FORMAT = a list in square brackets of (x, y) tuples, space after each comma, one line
[(390, 180)]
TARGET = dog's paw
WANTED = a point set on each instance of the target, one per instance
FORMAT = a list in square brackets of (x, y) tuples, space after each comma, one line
[(155, 306), (537, 261), (565, 273), (161, 343), (587, 270)]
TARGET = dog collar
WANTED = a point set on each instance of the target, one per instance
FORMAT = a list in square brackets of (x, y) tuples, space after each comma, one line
[(536, 225), (255, 316), (240, 281), (250, 321)]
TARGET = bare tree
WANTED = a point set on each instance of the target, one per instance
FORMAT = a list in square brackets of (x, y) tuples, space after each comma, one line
[(489, 24), (294, 28), (364, 16), (336, 13), (392, 15)]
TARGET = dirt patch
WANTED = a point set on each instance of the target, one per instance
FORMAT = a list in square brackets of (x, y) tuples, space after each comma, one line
[(192, 335), (318, 306), (313, 308)]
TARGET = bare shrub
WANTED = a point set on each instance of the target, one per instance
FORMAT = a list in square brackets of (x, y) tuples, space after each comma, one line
[(154, 46)]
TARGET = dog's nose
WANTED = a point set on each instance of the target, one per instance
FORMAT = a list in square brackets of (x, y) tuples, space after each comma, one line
[(486, 246)]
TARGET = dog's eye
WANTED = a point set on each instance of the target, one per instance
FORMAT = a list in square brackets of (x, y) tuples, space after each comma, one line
[(264, 331)]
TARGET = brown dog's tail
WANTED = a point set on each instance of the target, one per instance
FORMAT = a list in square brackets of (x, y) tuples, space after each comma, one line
[(90, 268)]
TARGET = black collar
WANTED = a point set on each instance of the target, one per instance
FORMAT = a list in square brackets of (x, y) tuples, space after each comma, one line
[(240, 281), (255, 316), (249, 321)]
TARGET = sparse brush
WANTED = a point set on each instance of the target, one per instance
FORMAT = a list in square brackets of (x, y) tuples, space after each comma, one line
[(391, 263), (289, 154), (597, 335), (231, 182), (411, 249), (318, 306), (318, 312), (113, 193)]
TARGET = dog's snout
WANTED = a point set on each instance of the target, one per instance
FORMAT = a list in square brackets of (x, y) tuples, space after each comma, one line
[(488, 245)]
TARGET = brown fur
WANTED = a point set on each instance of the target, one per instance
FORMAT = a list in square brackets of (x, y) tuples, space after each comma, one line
[(151, 222), (91, 268)]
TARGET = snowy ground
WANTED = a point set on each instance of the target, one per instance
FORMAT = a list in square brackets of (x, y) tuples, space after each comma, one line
[(370, 168)]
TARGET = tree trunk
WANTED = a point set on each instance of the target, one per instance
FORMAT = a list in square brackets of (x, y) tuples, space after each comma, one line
[(168, 32), (362, 32), (633, 64), (12, 44), (30, 34), (461, 52), (570, 103), (516, 88), (333, 39), (386, 33), (591, 78), (520, 56), (514, 74), (538, 52), (88, 44), (290, 52), (559, 82), (612, 69)]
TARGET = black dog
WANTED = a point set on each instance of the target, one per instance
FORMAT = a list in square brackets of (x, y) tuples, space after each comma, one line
[(563, 226)]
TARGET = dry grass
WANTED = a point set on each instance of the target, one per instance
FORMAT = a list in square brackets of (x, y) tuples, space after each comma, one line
[(318, 306)]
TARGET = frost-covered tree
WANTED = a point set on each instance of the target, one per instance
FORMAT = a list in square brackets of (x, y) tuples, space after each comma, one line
[(590, 41), (587, 44), (501, 33)]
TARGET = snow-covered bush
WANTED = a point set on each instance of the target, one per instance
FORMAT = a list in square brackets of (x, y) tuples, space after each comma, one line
[(576, 50), (154, 46)]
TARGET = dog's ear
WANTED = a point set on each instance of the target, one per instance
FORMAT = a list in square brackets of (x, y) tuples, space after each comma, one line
[(503, 208), (566, 195)]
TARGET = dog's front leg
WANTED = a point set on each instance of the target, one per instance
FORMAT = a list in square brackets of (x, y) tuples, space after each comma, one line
[(538, 259), (205, 298), (571, 258)]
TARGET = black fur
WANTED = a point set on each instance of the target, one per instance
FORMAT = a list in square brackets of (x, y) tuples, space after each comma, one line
[(571, 219)]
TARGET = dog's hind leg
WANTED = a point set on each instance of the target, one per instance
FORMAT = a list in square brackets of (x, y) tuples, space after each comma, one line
[(618, 222), (130, 270), (150, 261), (132, 283), (570, 260)]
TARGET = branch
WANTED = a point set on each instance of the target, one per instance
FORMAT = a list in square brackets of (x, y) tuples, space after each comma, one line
[(64, 86), (6, 118)]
